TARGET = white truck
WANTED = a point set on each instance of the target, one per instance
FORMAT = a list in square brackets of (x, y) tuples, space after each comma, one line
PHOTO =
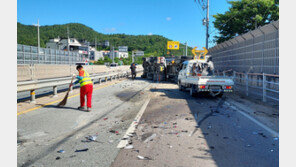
[(193, 77)]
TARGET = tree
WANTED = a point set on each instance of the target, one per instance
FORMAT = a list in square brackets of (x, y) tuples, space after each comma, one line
[(244, 16)]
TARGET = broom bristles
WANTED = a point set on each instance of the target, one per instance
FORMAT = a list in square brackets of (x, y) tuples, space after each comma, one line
[(64, 101)]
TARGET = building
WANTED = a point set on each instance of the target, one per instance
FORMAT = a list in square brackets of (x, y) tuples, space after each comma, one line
[(71, 44), (96, 55), (118, 54)]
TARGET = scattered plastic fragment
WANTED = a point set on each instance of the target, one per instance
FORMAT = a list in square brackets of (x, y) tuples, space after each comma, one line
[(185, 131), (248, 145), (171, 146), (105, 119), (143, 158), (188, 118), (140, 157), (271, 150), (276, 138), (57, 158), (91, 138), (209, 127), (82, 150), (129, 147), (61, 151), (150, 138), (72, 156)]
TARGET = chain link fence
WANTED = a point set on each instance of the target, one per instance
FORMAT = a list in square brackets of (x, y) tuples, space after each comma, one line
[(29, 55)]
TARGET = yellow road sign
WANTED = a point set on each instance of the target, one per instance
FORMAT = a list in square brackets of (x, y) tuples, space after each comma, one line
[(173, 45), (202, 53)]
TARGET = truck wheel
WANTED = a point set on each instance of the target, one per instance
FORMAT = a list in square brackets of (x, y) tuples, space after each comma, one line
[(193, 91), (180, 86), (220, 94)]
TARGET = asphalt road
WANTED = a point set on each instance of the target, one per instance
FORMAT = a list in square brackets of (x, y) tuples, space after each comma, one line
[(190, 131), (200, 131), (43, 132)]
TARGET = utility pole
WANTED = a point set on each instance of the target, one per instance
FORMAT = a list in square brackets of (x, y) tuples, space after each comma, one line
[(207, 25), (95, 43), (186, 49), (68, 47), (113, 54)]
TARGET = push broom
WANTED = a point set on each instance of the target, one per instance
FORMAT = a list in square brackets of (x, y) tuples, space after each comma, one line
[(64, 101)]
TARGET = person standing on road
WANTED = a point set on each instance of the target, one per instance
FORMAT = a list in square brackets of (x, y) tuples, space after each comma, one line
[(133, 70), (86, 88)]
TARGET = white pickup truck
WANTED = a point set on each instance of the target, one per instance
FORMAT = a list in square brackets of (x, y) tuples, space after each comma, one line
[(199, 82)]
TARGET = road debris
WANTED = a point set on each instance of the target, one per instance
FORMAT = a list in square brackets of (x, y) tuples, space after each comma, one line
[(276, 139), (129, 147), (92, 138), (262, 134), (61, 151), (82, 150), (114, 131), (188, 118), (150, 138), (143, 158), (57, 158), (105, 119)]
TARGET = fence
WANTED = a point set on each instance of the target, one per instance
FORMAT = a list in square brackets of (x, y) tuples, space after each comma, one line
[(254, 52), (262, 86), (29, 55)]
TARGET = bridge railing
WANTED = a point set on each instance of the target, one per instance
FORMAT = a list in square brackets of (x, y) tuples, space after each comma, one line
[(33, 85), (261, 85)]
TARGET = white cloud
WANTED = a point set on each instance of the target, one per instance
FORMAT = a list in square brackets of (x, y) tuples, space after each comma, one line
[(168, 18), (150, 33), (110, 29)]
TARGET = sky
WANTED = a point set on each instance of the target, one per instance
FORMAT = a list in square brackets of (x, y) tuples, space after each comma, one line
[(178, 20)]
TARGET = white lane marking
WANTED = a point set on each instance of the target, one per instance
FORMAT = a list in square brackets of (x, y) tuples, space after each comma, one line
[(272, 132), (131, 129)]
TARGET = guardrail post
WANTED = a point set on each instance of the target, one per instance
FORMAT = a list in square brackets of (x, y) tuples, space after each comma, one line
[(264, 87), (33, 97), (247, 84), (55, 91)]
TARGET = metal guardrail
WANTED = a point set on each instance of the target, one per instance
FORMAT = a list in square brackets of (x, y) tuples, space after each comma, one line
[(261, 86), (39, 84)]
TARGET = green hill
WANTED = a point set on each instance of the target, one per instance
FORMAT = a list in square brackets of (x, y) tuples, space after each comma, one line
[(150, 44)]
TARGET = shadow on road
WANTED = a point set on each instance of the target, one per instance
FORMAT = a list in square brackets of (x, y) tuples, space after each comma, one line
[(223, 132)]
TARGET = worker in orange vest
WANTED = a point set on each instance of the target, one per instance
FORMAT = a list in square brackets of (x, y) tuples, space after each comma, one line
[(86, 88)]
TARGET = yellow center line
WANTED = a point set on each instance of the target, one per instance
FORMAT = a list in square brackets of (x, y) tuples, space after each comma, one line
[(43, 105)]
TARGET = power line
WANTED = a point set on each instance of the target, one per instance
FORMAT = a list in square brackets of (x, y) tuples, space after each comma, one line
[(200, 10)]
